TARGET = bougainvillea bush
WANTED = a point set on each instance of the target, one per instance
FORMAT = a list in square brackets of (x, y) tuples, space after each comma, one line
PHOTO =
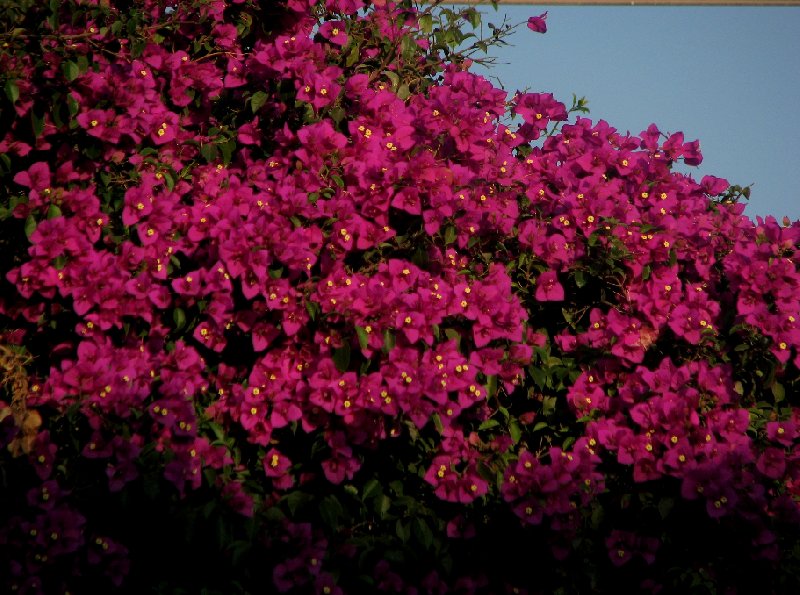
[(294, 299)]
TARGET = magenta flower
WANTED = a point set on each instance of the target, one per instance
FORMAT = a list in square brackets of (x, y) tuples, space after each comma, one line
[(238, 498), (334, 32), (537, 110), (453, 486), (548, 289), (38, 179), (782, 432), (624, 545), (163, 127), (276, 467), (772, 462), (99, 123), (342, 464), (538, 24)]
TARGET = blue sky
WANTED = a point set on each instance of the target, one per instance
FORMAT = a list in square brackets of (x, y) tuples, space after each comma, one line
[(728, 76)]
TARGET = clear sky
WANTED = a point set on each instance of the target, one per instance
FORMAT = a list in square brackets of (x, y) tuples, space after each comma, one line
[(728, 76)]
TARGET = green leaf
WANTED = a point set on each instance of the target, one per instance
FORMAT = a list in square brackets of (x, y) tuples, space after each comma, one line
[(179, 318), (352, 56), (56, 109), (474, 18), (341, 357), (30, 226), (338, 114), (491, 385), (383, 504), (38, 123), (403, 531), (12, 91), (313, 309), (426, 23), (388, 340), (297, 500), (540, 377), (363, 337), (437, 421), (227, 149), (397, 487), (83, 64), (239, 550), (450, 234), (71, 70), (488, 424), (6, 161), (665, 506), (597, 516), (422, 532), (258, 100), (331, 511), (52, 19), (372, 489), (169, 180), (209, 152), (392, 76)]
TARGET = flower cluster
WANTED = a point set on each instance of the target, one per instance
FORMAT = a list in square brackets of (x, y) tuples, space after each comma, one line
[(292, 271)]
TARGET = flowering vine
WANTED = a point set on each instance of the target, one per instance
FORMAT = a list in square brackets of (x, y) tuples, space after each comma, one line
[(293, 290)]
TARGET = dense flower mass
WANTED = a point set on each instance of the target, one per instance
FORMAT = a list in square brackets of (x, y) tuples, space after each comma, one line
[(289, 289)]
